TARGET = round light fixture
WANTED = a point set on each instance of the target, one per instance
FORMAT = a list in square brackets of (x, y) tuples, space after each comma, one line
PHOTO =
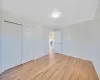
[(55, 14)]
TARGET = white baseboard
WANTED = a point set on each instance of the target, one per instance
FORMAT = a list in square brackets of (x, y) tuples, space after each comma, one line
[(40, 56)]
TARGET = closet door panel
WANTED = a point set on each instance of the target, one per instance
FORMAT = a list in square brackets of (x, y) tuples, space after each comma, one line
[(28, 44), (11, 45)]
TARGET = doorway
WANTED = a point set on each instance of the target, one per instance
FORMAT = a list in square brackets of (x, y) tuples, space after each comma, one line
[(55, 42), (51, 42)]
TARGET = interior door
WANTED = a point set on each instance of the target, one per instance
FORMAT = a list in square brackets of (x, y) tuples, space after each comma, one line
[(11, 45), (28, 44), (58, 44)]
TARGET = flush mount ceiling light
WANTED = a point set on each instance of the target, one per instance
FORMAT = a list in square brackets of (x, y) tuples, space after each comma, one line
[(55, 14)]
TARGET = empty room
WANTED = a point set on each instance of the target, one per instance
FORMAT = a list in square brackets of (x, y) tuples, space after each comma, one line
[(49, 40)]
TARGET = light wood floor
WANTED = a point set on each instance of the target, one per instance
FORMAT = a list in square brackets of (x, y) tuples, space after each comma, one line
[(53, 67)]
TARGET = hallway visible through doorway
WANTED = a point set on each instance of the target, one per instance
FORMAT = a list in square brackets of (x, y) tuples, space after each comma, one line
[(51, 42)]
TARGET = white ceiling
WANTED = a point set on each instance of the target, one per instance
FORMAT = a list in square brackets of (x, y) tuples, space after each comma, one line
[(72, 11)]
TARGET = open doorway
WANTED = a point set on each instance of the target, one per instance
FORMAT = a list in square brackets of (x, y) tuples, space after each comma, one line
[(55, 42), (51, 42)]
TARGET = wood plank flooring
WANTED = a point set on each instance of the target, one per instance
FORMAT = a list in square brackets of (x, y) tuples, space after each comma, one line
[(53, 67)]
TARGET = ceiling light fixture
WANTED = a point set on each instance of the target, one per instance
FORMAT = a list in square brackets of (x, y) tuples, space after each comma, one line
[(55, 14)]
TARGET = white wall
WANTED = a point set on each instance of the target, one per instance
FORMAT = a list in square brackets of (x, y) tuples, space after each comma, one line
[(58, 48), (83, 40), (77, 40), (0, 40), (96, 40)]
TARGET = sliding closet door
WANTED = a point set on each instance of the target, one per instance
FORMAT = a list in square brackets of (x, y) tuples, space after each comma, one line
[(28, 44), (0, 41), (11, 45)]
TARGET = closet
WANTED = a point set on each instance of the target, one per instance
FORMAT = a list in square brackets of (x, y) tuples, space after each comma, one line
[(21, 44), (17, 44), (11, 45), (27, 44)]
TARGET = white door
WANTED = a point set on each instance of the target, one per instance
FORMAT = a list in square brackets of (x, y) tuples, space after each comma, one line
[(58, 44), (11, 45), (28, 44)]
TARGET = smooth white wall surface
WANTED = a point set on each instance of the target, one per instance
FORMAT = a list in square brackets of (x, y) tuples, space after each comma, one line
[(83, 41), (58, 48), (76, 40), (0, 41), (96, 40)]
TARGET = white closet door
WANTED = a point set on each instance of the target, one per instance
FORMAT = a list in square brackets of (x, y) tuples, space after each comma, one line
[(11, 45), (0, 53), (28, 44), (58, 42)]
